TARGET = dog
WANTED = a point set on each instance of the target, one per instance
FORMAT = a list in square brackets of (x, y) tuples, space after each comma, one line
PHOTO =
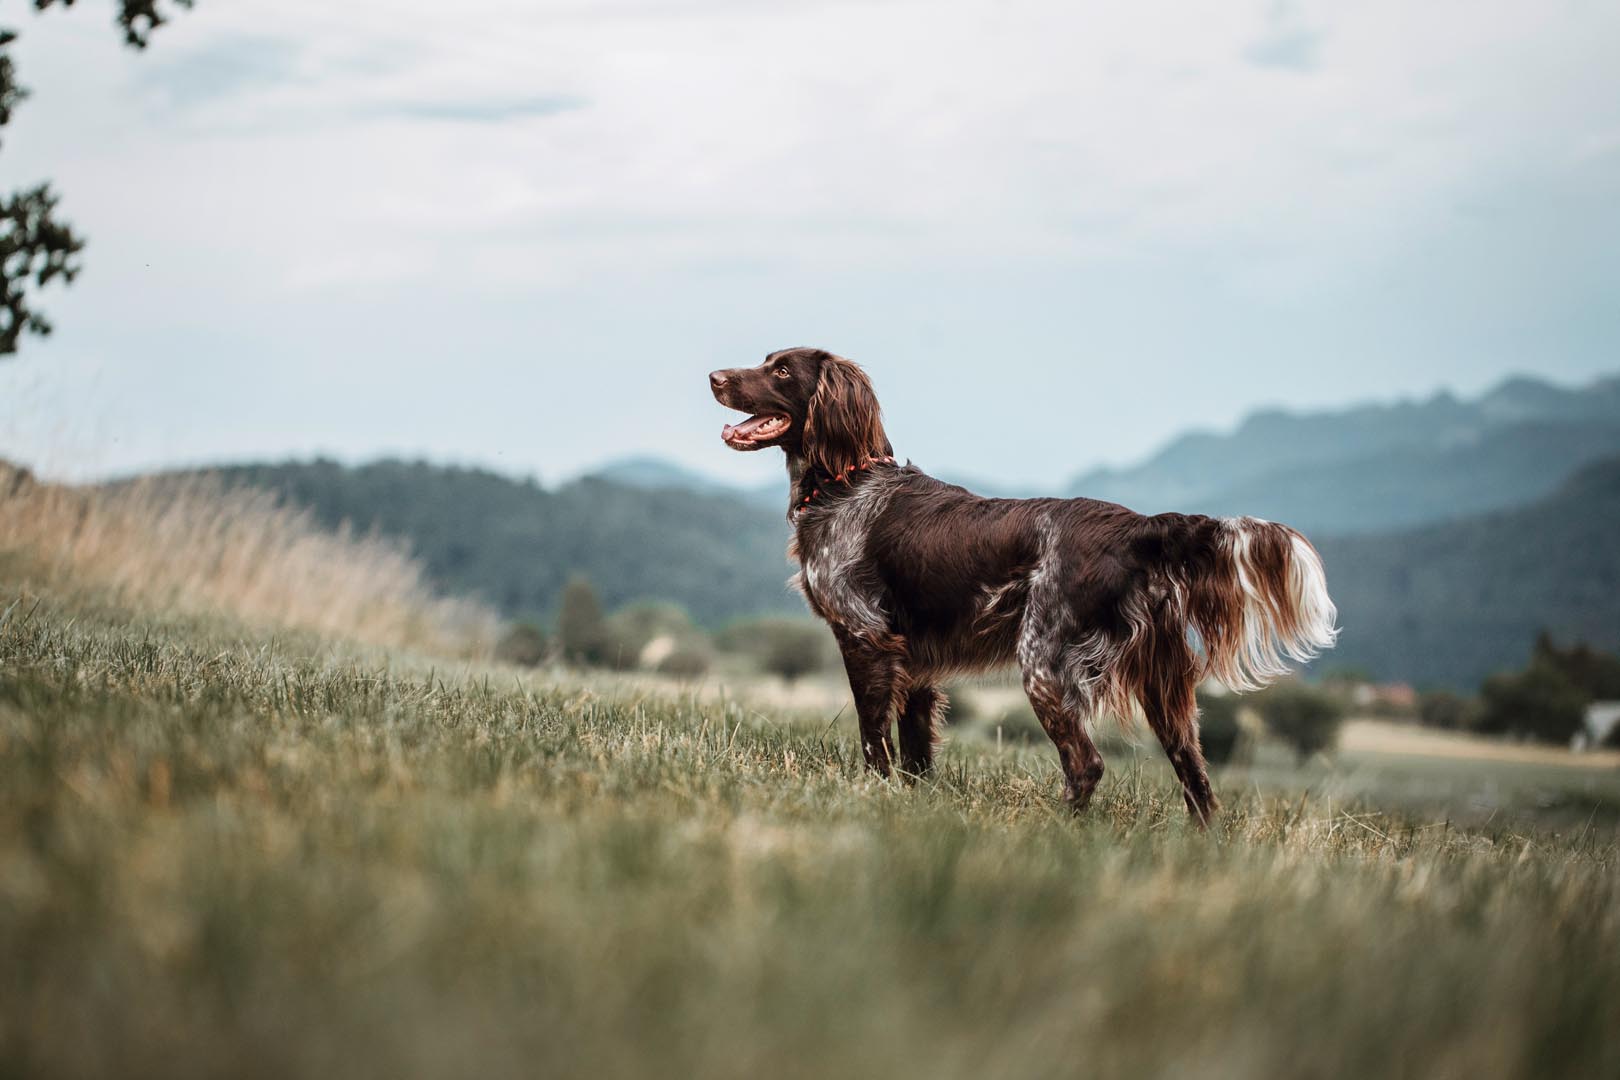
[(1102, 609)]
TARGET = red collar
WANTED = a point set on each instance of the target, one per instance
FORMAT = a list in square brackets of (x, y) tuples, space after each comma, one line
[(843, 478)]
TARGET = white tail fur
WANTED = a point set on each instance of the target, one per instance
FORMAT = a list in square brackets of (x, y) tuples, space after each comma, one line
[(1281, 609)]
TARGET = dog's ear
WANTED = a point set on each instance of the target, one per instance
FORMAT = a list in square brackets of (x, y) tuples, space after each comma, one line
[(843, 425)]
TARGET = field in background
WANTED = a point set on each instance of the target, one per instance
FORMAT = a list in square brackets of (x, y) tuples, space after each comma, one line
[(226, 854), (193, 545)]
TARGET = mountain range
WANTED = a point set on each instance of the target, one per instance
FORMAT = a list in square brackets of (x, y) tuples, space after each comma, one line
[(1376, 467)]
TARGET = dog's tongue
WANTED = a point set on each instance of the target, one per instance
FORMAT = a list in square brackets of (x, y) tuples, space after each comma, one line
[(744, 429)]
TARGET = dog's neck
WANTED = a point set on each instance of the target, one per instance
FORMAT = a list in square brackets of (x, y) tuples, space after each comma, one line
[(795, 468), (805, 484)]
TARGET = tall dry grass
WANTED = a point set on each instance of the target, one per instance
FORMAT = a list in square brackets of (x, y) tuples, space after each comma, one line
[(194, 545)]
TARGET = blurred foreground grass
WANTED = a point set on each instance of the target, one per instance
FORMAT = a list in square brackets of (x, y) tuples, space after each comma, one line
[(222, 854)]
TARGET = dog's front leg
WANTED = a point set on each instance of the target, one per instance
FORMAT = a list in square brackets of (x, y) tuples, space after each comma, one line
[(876, 665)]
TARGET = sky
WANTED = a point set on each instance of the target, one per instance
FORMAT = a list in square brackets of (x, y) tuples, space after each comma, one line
[(519, 233)]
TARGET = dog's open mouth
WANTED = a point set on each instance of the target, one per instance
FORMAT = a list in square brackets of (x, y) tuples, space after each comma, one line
[(753, 431)]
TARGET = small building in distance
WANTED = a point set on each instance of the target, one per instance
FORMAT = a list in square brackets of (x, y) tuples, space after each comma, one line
[(1601, 719), (1397, 698)]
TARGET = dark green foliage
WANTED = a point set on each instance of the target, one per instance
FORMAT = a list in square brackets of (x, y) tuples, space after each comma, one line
[(1302, 716), (11, 94), (1537, 703), (36, 247), (1548, 699), (1594, 672), (137, 18), (523, 644), (1218, 730), (581, 629), (1447, 710), (514, 544)]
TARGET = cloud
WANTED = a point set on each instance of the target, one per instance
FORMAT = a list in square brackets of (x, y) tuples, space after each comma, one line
[(228, 66), (1292, 48), (496, 111), (1285, 42)]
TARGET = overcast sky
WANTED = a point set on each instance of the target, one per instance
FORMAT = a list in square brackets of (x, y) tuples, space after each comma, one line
[(520, 233)]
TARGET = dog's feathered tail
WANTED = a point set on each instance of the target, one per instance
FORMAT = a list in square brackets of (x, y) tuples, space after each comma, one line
[(1264, 602)]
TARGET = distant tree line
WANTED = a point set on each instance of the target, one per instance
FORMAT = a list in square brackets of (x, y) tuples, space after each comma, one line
[(1546, 700), (659, 637)]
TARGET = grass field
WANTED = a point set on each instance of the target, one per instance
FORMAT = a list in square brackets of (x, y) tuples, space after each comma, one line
[(223, 853)]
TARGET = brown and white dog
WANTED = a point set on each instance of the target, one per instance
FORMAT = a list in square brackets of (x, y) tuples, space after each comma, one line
[(1101, 608)]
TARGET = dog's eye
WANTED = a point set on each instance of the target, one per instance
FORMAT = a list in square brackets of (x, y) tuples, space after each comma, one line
[(782, 372)]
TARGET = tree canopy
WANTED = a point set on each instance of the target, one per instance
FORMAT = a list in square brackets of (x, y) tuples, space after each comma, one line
[(37, 247)]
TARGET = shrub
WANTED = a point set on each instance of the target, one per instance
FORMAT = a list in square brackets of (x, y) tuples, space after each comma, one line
[(689, 659), (1301, 716), (523, 644), (581, 629), (1538, 703), (1595, 673), (1451, 711), (1218, 729), (794, 649), (645, 635), (791, 648)]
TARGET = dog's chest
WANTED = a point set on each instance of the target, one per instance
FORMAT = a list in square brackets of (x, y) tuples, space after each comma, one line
[(835, 568)]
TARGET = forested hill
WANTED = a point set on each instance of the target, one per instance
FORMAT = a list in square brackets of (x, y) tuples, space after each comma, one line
[(515, 543), (1373, 468), (1449, 604)]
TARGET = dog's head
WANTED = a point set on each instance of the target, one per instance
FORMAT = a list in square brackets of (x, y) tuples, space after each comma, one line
[(812, 404)]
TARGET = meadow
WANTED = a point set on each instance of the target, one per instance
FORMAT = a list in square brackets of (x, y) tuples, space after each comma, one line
[(232, 844), (230, 853)]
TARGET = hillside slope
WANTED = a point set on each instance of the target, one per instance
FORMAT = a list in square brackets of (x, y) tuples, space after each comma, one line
[(1449, 604), (515, 544)]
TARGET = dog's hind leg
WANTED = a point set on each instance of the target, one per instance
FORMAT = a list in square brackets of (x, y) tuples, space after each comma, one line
[(918, 719), (1172, 713), (1066, 727)]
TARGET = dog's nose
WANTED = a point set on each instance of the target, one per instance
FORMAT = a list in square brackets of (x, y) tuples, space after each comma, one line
[(717, 379)]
